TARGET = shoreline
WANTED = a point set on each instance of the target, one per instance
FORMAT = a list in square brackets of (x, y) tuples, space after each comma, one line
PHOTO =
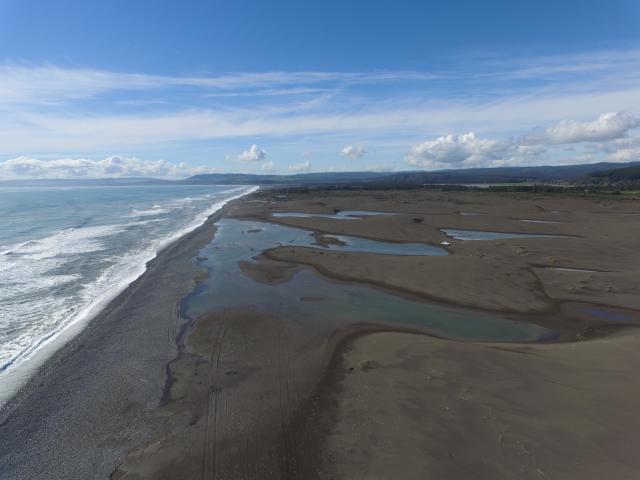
[(22, 369), (133, 336), (152, 395)]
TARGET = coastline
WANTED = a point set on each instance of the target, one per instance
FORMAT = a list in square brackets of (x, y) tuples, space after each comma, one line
[(252, 394), (119, 359), (26, 364), (258, 393)]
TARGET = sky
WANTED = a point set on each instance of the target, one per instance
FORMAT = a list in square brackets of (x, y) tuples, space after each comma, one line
[(174, 88)]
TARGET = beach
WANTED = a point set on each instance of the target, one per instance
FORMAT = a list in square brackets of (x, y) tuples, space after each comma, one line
[(268, 352), (93, 400)]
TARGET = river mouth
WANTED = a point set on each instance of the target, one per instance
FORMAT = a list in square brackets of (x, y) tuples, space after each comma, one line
[(323, 306), (472, 235)]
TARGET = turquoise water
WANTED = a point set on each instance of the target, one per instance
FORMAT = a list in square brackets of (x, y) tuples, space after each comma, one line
[(334, 304), (65, 252), (464, 235)]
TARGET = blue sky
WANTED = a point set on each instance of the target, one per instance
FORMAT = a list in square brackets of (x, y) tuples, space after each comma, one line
[(172, 88)]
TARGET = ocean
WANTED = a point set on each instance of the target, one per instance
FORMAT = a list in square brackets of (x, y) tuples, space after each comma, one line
[(65, 252)]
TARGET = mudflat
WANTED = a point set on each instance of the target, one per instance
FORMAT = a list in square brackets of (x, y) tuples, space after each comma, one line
[(416, 407), (595, 257), (259, 394)]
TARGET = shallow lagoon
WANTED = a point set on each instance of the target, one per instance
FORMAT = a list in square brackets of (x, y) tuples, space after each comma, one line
[(459, 234), (320, 305), (341, 215), (528, 220), (275, 235)]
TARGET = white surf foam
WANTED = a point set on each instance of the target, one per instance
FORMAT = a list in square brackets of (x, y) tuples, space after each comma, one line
[(27, 352)]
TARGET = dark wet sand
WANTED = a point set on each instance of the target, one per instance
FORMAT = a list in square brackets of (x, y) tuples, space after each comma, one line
[(257, 397), (414, 407), (506, 275), (97, 398)]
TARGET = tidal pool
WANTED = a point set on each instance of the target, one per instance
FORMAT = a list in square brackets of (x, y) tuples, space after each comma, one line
[(275, 235), (485, 235), (334, 304), (606, 314), (569, 269), (527, 220), (341, 215)]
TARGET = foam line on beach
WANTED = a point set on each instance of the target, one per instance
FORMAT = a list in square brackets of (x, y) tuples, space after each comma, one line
[(17, 369)]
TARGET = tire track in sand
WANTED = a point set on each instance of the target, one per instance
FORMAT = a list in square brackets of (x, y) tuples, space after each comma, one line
[(285, 392), (209, 463)]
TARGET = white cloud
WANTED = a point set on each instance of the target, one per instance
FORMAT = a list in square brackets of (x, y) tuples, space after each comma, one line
[(254, 154), (300, 167), (607, 126), (625, 149), (268, 167), (353, 151), (470, 150), (114, 166), (625, 155), (466, 150)]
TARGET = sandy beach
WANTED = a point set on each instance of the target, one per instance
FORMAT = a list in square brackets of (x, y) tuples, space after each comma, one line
[(254, 390), (95, 399)]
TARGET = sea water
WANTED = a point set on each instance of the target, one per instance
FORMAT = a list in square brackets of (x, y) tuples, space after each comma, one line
[(65, 252)]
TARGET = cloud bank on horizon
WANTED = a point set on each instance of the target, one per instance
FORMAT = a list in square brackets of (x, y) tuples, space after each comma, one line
[(550, 96), (606, 138)]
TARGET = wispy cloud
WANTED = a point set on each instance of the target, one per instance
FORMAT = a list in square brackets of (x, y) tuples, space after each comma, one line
[(268, 167), (28, 131), (300, 167), (49, 110), (51, 84)]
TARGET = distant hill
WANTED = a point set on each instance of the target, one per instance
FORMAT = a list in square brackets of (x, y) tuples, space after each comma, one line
[(623, 174), (587, 173), (298, 179), (546, 174)]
